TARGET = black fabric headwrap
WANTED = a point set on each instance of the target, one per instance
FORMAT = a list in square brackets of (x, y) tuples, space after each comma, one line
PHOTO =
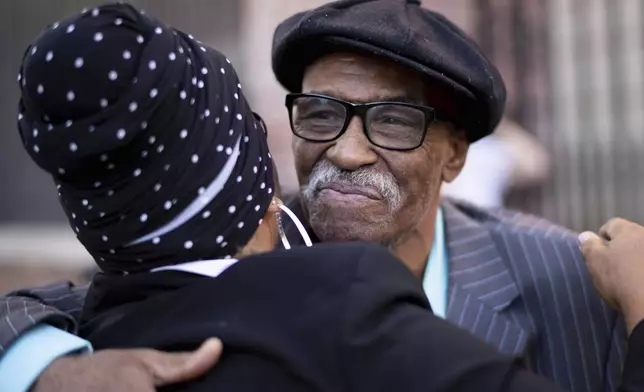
[(157, 156)]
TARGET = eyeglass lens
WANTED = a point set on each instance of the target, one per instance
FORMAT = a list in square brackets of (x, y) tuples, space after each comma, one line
[(387, 125)]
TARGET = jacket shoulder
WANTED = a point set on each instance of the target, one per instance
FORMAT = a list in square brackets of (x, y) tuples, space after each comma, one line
[(540, 253), (522, 223), (515, 224), (547, 264)]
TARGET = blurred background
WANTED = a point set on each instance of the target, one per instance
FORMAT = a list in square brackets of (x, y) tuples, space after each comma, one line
[(569, 149)]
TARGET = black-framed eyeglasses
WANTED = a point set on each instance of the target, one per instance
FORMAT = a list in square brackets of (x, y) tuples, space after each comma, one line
[(389, 125)]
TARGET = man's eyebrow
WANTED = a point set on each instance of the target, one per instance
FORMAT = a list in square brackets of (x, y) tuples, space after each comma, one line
[(379, 98), (403, 99)]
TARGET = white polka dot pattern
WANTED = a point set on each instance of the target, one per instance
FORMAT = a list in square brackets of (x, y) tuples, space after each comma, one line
[(143, 185)]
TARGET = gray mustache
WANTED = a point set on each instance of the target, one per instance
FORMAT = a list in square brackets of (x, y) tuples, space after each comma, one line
[(325, 173)]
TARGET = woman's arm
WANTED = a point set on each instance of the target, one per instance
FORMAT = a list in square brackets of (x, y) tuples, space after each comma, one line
[(57, 305)]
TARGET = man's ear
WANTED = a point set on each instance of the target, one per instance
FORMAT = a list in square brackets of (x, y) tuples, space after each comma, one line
[(457, 146)]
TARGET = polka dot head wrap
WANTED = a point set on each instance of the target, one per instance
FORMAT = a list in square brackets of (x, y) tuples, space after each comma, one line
[(157, 157)]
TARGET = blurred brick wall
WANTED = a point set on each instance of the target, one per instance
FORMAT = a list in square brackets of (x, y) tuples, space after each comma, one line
[(574, 70)]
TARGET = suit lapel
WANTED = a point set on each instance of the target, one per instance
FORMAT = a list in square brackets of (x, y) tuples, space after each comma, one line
[(481, 285)]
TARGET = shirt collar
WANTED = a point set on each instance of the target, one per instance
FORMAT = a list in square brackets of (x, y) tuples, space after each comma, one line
[(435, 279), (212, 268)]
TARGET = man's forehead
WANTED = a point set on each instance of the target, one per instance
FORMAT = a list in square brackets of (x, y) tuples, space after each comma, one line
[(362, 78)]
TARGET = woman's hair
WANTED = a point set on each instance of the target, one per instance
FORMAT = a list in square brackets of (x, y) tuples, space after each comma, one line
[(157, 157)]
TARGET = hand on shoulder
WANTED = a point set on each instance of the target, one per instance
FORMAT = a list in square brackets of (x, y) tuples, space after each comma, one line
[(615, 259), (130, 370)]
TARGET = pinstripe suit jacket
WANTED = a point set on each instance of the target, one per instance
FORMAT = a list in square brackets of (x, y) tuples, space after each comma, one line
[(516, 281)]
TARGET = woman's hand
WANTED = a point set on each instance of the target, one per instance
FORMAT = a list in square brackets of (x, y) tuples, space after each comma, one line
[(615, 259), (133, 370)]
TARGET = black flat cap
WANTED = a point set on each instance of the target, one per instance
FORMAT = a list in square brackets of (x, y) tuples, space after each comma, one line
[(406, 33)]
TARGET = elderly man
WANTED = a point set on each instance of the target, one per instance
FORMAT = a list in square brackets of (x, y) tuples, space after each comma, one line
[(385, 99)]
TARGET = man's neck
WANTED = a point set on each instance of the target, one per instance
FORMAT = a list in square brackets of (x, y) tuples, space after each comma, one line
[(414, 250)]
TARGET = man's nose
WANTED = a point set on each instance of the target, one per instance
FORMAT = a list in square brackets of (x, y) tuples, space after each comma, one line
[(352, 150)]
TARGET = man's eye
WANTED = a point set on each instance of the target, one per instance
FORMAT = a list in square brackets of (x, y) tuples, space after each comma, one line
[(390, 120), (319, 115)]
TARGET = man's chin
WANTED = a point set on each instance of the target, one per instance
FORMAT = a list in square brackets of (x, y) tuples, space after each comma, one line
[(349, 233)]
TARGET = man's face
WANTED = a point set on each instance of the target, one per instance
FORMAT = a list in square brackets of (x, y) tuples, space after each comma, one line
[(356, 191)]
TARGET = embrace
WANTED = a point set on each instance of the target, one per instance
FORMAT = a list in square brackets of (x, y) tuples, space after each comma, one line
[(165, 175)]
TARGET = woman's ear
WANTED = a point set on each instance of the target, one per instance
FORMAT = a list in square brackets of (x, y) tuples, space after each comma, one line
[(267, 234)]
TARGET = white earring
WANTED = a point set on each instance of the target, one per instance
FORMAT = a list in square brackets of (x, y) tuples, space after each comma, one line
[(298, 224)]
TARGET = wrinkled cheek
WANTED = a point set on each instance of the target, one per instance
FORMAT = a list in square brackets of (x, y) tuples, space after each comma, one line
[(428, 188), (306, 155), (420, 195)]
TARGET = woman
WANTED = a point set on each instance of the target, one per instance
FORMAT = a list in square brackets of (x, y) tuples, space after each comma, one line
[(165, 175)]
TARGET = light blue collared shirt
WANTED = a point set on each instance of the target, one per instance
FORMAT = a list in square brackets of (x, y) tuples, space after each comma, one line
[(33, 352), (436, 277)]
